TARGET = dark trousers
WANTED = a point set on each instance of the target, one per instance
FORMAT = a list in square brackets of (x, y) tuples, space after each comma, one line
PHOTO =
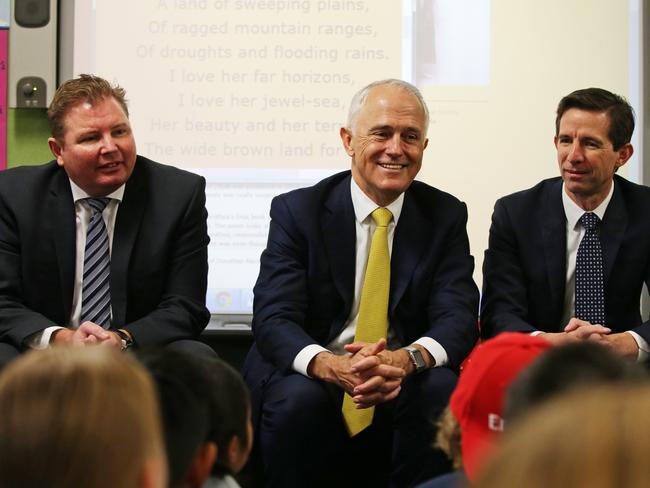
[(8, 352), (302, 441)]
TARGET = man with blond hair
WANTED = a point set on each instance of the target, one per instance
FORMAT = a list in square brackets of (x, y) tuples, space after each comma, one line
[(100, 245)]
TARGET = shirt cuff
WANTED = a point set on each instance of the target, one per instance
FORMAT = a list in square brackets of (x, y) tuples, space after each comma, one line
[(437, 352), (304, 357), (41, 340), (644, 348)]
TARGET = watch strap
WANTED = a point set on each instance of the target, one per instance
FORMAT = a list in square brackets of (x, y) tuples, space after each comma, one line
[(127, 342), (416, 358)]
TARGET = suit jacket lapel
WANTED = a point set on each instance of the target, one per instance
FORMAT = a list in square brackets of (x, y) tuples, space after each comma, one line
[(412, 234), (339, 234), (127, 223), (64, 236), (553, 222), (612, 230)]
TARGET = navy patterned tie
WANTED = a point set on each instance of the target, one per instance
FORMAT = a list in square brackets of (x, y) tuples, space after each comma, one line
[(590, 288), (95, 292)]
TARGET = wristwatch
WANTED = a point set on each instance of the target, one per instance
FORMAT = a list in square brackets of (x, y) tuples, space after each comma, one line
[(127, 342), (416, 358)]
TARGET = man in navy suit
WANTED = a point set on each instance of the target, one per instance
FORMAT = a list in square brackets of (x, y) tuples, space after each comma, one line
[(529, 272), (155, 220), (307, 300)]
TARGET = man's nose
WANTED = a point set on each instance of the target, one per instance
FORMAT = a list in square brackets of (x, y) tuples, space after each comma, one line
[(576, 152), (394, 145), (108, 144)]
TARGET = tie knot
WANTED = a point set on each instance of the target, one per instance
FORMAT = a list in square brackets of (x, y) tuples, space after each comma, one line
[(589, 220), (97, 204), (382, 216)]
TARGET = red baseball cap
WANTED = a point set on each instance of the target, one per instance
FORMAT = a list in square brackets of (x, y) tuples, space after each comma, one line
[(477, 401)]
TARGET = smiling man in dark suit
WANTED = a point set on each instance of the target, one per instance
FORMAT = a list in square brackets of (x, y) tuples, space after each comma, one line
[(309, 307), (140, 276), (548, 269)]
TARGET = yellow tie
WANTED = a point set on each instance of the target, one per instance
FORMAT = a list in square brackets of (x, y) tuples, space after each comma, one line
[(373, 310)]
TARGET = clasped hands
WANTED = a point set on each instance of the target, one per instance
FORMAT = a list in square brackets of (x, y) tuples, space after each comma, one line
[(581, 330), (87, 334), (370, 373)]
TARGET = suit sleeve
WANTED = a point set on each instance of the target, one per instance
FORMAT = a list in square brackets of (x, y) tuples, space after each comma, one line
[(504, 303), (181, 312), (644, 329), (453, 296), (17, 321), (281, 300)]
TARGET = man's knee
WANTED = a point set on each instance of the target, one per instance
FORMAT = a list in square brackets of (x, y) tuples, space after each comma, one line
[(429, 390), (295, 394), (191, 346), (297, 405), (299, 430), (8, 353)]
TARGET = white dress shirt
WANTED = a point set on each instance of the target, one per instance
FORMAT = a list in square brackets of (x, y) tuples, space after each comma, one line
[(574, 234), (365, 226), (83, 213)]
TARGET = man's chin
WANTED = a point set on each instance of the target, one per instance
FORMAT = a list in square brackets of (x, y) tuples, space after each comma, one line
[(105, 187)]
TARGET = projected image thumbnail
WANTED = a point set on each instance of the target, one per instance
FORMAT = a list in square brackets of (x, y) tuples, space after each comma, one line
[(446, 42)]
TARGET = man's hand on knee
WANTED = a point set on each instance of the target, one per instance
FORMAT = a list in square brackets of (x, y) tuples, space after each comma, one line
[(375, 390), (578, 330), (86, 334), (622, 343), (370, 360), (335, 369), (380, 370), (581, 329)]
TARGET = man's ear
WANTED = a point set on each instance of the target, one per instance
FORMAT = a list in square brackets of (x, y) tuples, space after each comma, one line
[(624, 154), (201, 466), (56, 149), (346, 138)]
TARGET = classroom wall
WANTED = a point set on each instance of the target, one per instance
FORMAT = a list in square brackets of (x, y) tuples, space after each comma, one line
[(27, 134), (469, 158)]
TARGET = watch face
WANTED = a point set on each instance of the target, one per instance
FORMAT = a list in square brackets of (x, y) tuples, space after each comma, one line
[(416, 355), (127, 342)]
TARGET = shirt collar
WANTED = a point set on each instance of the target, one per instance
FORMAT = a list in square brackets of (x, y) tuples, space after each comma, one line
[(79, 194), (573, 212), (364, 206)]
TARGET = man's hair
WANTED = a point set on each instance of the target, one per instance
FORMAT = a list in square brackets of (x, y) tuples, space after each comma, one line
[(617, 108), (85, 88), (565, 368), (359, 99), (77, 417)]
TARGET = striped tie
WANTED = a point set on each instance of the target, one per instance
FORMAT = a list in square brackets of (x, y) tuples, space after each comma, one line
[(373, 310), (96, 293)]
